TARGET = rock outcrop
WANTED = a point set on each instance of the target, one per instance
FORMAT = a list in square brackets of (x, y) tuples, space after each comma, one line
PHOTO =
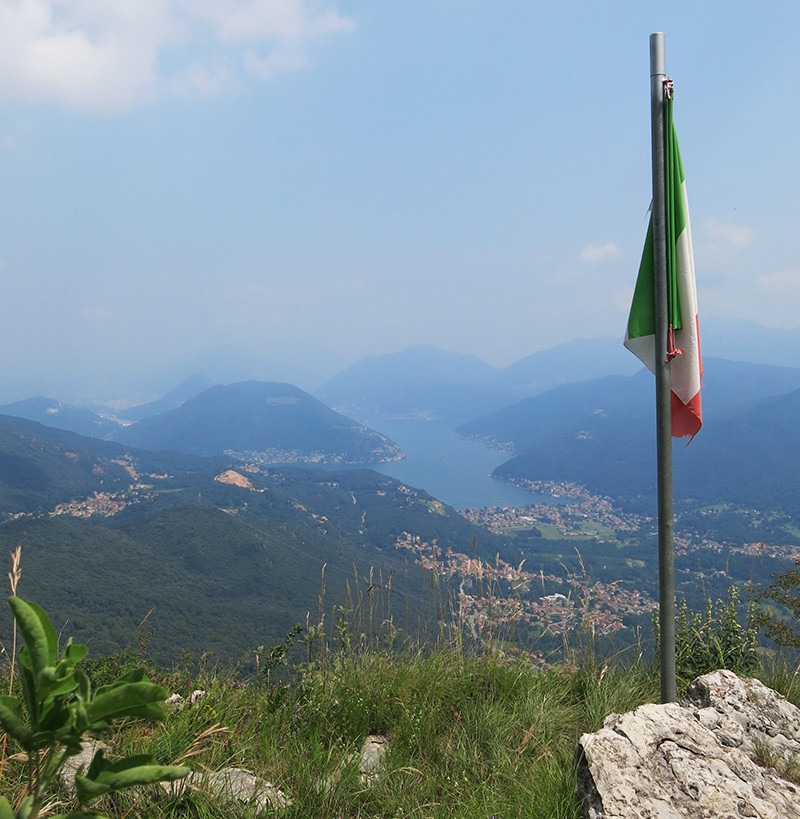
[(731, 749), (239, 785)]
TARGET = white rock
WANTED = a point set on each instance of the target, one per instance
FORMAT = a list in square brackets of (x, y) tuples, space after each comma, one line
[(73, 764), (702, 759), (244, 786), (372, 758), (371, 761)]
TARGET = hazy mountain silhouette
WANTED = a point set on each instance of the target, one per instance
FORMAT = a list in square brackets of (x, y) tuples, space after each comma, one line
[(423, 382), (579, 360), (741, 340), (53, 413), (601, 434), (172, 400), (427, 382), (259, 418)]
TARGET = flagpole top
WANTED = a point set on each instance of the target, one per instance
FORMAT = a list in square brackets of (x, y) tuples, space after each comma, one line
[(658, 59)]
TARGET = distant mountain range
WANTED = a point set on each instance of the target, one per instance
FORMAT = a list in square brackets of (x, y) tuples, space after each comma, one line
[(429, 383), (53, 413), (740, 340), (601, 434), (172, 400), (186, 519), (256, 420), (578, 411)]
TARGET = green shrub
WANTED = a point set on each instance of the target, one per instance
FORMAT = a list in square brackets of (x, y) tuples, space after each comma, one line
[(56, 709), (714, 639), (785, 593)]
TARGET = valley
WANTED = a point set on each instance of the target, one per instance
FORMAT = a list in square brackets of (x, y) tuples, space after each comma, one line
[(195, 536)]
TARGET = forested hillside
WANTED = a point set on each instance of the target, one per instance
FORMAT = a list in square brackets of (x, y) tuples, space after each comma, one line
[(211, 554)]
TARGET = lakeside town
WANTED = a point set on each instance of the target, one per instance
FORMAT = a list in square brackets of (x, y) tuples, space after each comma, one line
[(497, 596), (581, 515)]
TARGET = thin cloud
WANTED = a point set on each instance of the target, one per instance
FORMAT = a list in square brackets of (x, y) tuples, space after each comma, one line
[(249, 21), (782, 281), (735, 236), (111, 56), (199, 80), (13, 138), (277, 62), (597, 253)]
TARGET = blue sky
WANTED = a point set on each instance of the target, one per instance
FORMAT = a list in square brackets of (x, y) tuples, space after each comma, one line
[(276, 188)]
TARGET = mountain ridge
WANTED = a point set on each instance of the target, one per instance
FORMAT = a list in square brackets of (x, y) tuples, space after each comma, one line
[(601, 434), (265, 421), (428, 382)]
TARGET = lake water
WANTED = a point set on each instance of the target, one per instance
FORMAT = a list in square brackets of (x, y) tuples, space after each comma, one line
[(452, 469)]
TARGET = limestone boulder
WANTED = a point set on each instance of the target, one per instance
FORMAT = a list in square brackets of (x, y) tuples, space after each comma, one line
[(731, 749)]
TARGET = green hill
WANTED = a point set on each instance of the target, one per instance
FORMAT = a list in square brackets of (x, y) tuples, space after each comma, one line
[(266, 421), (41, 466), (214, 555), (601, 434)]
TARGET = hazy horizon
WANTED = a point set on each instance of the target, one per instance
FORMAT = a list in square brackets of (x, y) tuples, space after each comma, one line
[(275, 189), (733, 340)]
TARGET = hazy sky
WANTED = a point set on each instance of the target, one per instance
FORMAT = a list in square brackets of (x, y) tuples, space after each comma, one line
[(277, 188)]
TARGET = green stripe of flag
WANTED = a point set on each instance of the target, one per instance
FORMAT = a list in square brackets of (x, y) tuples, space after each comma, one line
[(642, 319)]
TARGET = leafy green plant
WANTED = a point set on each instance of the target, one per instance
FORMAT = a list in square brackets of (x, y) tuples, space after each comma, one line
[(267, 660), (785, 592), (56, 709), (713, 639)]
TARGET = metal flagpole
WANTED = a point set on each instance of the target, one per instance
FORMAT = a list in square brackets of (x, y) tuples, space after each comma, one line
[(666, 557)]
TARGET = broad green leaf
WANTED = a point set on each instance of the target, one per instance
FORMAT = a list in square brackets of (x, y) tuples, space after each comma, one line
[(105, 777), (74, 652), (84, 685), (38, 633), (97, 765), (13, 723), (80, 714), (29, 688), (67, 740), (5, 809), (133, 676), (55, 715), (139, 699), (55, 682)]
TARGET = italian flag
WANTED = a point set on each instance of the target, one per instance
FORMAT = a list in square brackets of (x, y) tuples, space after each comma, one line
[(685, 361)]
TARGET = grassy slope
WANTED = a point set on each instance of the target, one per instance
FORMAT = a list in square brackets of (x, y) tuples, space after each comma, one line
[(473, 733), (471, 737)]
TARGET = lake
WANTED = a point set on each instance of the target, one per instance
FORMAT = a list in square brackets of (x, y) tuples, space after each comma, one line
[(452, 469)]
